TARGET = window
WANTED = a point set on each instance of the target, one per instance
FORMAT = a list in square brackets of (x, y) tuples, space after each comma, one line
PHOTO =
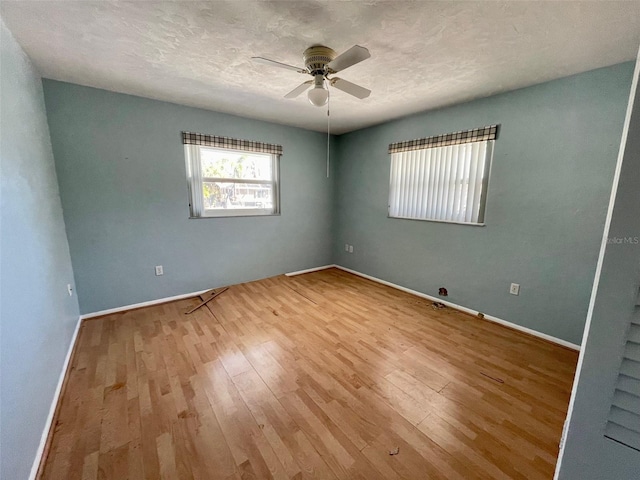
[(442, 178), (228, 177)]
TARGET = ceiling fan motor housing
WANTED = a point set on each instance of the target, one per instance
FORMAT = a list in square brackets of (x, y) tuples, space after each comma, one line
[(316, 59)]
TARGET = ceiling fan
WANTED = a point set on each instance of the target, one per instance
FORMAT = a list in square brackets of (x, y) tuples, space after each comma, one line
[(320, 62)]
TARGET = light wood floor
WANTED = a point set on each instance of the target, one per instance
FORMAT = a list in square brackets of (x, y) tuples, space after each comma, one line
[(315, 376)]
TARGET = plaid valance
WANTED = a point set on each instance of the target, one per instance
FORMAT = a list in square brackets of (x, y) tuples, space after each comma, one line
[(466, 136), (189, 138)]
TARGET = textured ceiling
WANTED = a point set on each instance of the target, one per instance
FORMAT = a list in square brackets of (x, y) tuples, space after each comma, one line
[(424, 55)]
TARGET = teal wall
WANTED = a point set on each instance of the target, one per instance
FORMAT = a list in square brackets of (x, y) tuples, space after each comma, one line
[(588, 455), (120, 165), (551, 177), (37, 317)]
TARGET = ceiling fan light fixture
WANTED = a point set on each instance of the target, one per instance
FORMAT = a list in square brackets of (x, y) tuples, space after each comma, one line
[(319, 94)]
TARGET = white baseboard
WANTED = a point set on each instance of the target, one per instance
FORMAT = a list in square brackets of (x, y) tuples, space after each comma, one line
[(309, 270), (491, 318), (143, 304), (124, 308), (54, 403)]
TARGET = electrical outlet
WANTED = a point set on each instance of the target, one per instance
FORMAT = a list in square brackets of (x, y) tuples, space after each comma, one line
[(515, 289), (159, 270), (346, 247), (69, 289), (350, 248)]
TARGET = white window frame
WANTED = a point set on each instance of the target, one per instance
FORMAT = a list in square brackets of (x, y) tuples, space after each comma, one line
[(424, 183), (195, 182)]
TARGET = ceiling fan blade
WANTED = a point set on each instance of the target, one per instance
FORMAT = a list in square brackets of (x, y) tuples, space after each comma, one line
[(273, 63), (298, 90), (355, 54), (350, 88)]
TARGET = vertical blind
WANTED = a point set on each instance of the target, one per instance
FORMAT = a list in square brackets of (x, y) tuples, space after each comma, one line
[(446, 183), (623, 424)]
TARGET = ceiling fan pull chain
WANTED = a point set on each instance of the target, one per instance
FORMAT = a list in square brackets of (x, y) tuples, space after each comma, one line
[(328, 131)]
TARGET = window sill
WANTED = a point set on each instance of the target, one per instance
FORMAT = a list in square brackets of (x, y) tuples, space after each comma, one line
[(241, 215), (469, 224)]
